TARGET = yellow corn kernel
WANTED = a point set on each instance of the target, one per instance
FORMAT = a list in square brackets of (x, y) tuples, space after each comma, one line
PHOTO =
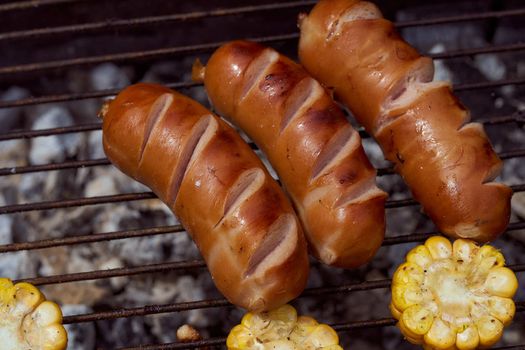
[(490, 252), (406, 295), (503, 309), (417, 320), (464, 250), (27, 320), (440, 335), (239, 338), (439, 247), (490, 330), (453, 296), (395, 312), (468, 339), (322, 336), (420, 256), (408, 273), (281, 329), (502, 281), (409, 335)]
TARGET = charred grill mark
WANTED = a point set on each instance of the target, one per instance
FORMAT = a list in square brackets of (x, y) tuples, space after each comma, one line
[(299, 100), (340, 143), (199, 137), (357, 191), (256, 69), (156, 112), (246, 185), (276, 235)]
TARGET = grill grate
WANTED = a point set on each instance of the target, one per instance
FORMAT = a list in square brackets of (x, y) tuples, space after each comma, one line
[(107, 27)]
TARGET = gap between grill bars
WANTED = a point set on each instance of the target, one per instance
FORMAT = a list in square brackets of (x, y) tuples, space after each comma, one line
[(136, 196), (517, 118), (190, 49), (155, 20)]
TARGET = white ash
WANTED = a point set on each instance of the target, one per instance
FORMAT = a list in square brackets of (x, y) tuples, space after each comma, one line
[(109, 220), (441, 70), (6, 224), (95, 147), (162, 72), (518, 204), (108, 76), (13, 153), (154, 249), (183, 247), (53, 148), (12, 117), (17, 265), (491, 66), (81, 336), (117, 283), (31, 185), (453, 35), (100, 186)]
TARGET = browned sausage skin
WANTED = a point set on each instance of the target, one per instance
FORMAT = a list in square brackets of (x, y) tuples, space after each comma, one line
[(309, 142), (236, 213), (422, 128)]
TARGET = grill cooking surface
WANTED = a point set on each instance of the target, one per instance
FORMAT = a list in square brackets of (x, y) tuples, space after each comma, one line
[(69, 54)]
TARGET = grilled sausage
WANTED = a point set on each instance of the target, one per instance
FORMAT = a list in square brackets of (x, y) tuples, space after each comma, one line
[(309, 142), (421, 126), (209, 177)]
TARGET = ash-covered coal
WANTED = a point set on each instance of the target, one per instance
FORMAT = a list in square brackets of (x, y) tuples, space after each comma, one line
[(185, 286)]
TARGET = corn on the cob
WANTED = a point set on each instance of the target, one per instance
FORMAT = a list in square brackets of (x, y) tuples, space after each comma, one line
[(453, 296), (281, 329), (27, 320)]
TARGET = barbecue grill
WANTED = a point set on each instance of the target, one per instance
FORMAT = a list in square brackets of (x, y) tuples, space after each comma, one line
[(50, 48)]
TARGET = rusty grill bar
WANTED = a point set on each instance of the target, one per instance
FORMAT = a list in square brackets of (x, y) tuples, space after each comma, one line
[(7, 71), (192, 49)]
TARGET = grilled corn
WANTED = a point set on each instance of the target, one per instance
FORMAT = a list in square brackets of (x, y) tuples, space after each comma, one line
[(453, 296), (281, 329), (27, 320)]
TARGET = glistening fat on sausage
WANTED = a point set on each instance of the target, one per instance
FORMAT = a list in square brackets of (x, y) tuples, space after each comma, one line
[(421, 126), (238, 216), (309, 142)]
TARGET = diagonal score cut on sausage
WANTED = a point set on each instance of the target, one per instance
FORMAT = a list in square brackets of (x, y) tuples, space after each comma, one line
[(236, 213), (448, 163), (309, 142)]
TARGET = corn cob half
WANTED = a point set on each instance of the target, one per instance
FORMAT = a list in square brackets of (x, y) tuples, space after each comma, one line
[(453, 296), (281, 329), (27, 320)]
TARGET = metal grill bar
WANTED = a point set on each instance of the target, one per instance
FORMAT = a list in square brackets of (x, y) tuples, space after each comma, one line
[(54, 166), (118, 272), (104, 161), (488, 84), (188, 345), (195, 264), (100, 237), (156, 20), (461, 18), (187, 85), (159, 309), (151, 20), (68, 203), (383, 322), (92, 238), (146, 310), (131, 56), (171, 51), (420, 237), (28, 134), (22, 5)]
